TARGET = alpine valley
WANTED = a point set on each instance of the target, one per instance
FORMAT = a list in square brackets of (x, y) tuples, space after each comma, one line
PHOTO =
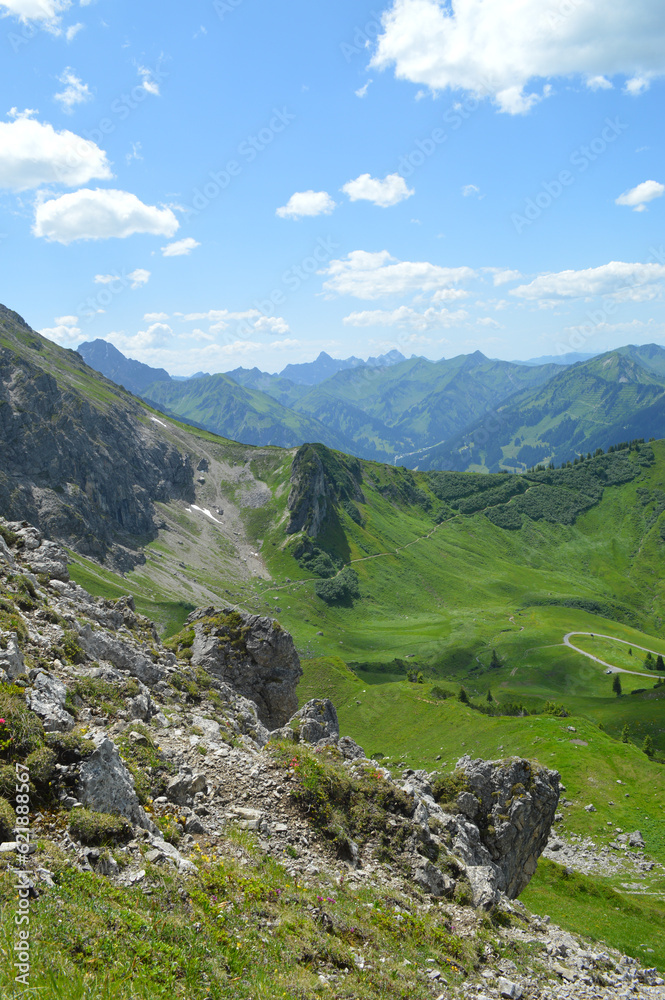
[(303, 709)]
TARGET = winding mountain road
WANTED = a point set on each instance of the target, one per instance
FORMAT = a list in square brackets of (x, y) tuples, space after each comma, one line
[(611, 668)]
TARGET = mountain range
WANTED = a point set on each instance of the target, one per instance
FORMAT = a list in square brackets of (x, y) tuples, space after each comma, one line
[(468, 412)]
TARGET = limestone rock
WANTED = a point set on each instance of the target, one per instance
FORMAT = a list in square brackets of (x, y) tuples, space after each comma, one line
[(506, 813), (47, 699), (253, 655), (11, 658), (349, 749), (184, 787), (51, 560), (429, 878), (636, 839), (317, 720), (103, 646), (105, 785)]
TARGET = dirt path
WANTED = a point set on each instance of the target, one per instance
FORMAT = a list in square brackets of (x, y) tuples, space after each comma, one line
[(611, 668)]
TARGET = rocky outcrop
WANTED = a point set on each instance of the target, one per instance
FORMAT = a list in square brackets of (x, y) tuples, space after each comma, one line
[(12, 663), (253, 655), (320, 480), (105, 785), (84, 467), (316, 721), (47, 698)]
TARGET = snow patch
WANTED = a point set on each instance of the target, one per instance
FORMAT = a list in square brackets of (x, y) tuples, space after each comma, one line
[(156, 421), (203, 510)]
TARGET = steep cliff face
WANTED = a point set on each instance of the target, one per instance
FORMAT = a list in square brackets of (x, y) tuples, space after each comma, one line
[(320, 480), (80, 458)]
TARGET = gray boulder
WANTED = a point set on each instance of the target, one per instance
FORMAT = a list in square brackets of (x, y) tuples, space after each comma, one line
[(636, 839), (506, 813), (432, 880), (102, 646), (6, 554), (317, 720), (184, 787), (254, 655), (50, 559), (349, 749), (105, 785), (11, 657), (47, 699)]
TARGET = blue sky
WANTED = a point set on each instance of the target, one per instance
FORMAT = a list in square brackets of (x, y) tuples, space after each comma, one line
[(236, 182)]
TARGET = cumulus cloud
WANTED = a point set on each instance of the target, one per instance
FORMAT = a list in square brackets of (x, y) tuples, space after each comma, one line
[(376, 275), (65, 332), (32, 153), (407, 317), (362, 91), (502, 275), (139, 277), (155, 317), (622, 281), (638, 197), (47, 13), (497, 47), (182, 248), (98, 215), (157, 335), (390, 191), (222, 319), (307, 203), (284, 345), (75, 92)]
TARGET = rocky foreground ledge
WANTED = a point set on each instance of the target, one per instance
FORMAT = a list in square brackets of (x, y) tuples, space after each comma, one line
[(170, 751)]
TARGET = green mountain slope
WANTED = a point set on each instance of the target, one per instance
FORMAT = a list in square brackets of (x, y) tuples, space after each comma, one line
[(614, 396), (220, 405)]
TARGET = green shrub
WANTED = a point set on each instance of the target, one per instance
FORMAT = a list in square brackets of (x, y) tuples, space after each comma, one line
[(9, 536), (342, 589), (7, 820), (98, 829), (73, 650), (24, 727), (41, 765), (70, 747), (170, 829)]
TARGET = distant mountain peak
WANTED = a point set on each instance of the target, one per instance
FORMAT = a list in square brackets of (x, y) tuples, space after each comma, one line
[(107, 359)]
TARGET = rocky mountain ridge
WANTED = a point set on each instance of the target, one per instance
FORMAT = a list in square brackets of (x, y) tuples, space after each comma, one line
[(163, 741)]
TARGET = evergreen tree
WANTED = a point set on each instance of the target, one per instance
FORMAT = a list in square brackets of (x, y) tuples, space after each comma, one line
[(647, 746), (649, 662), (489, 696), (625, 733), (616, 686), (660, 663), (463, 696), (495, 662), (630, 650)]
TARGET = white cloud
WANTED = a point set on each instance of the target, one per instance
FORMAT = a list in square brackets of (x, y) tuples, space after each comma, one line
[(637, 85), (139, 277), (470, 189), (638, 197), (147, 82), (65, 332), (182, 248), (307, 203), (284, 345), (155, 317), (75, 92), (33, 154), (48, 13), (599, 83), (73, 30), (222, 319), (271, 324), (135, 153), (430, 319), (502, 275), (100, 214), (375, 275), (496, 47), (390, 191), (450, 295), (157, 335), (622, 281), (362, 91), (488, 321)]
